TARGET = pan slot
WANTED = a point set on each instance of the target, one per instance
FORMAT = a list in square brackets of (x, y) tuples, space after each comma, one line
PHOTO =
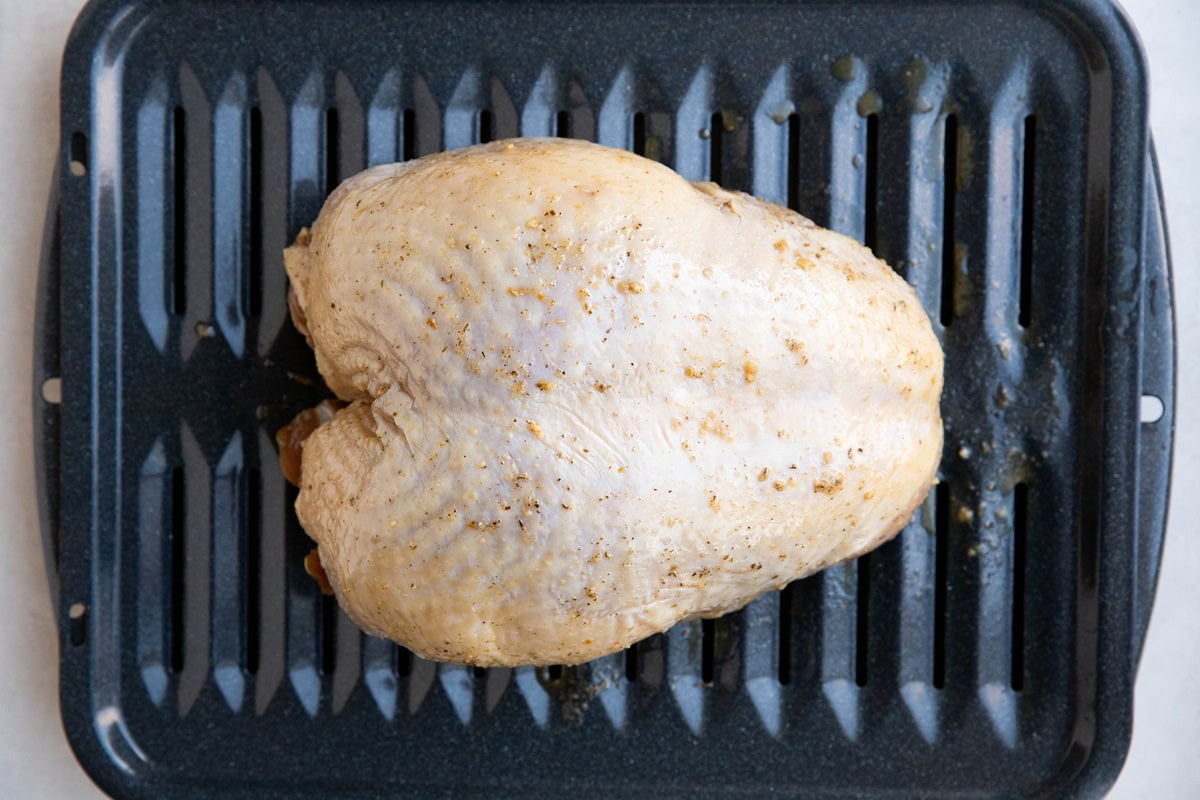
[(716, 127), (229, 173), (499, 118), (871, 200), (479, 672), (155, 260), (253, 506), (379, 673), (905, 597), (429, 129), (179, 210), (942, 536), (347, 660), (554, 672), (178, 511), (786, 600), (304, 622), (254, 274), (631, 662), (708, 649), (862, 620), (580, 118), (154, 571), (836, 616), (758, 632), (78, 154), (949, 194), (639, 133), (331, 150), (230, 542), (793, 162), (1028, 207), (605, 678), (485, 126), (1020, 526), (328, 612), (495, 684), (305, 123), (351, 129), (684, 662), (197, 571), (408, 143), (404, 661), (542, 113), (650, 666), (268, 569), (383, 120), (276, 151)]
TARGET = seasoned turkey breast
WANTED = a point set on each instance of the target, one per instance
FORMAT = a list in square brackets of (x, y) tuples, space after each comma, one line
[(588, 399)]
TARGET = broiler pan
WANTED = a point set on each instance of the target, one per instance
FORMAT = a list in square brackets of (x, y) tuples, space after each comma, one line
[(996, 154)]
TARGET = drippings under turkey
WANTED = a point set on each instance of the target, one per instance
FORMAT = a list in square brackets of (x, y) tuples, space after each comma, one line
[(588, 399)]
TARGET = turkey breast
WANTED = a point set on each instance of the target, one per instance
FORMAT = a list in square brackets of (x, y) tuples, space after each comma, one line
[(588, 399)]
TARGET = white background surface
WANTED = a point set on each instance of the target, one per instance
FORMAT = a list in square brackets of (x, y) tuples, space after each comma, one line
[(35, 762)]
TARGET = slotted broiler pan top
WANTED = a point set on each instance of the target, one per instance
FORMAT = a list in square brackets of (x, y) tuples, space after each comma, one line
[(996, 154)]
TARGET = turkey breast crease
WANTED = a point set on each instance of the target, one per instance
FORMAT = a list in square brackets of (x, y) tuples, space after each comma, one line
[(589, 399)]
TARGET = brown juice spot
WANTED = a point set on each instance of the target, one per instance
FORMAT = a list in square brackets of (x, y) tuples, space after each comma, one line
[(314, 567)]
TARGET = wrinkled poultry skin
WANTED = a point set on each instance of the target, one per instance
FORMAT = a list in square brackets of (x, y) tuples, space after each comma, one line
[(588, 399)]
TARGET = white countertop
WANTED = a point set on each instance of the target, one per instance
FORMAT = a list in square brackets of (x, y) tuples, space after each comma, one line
[(35, 761)]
